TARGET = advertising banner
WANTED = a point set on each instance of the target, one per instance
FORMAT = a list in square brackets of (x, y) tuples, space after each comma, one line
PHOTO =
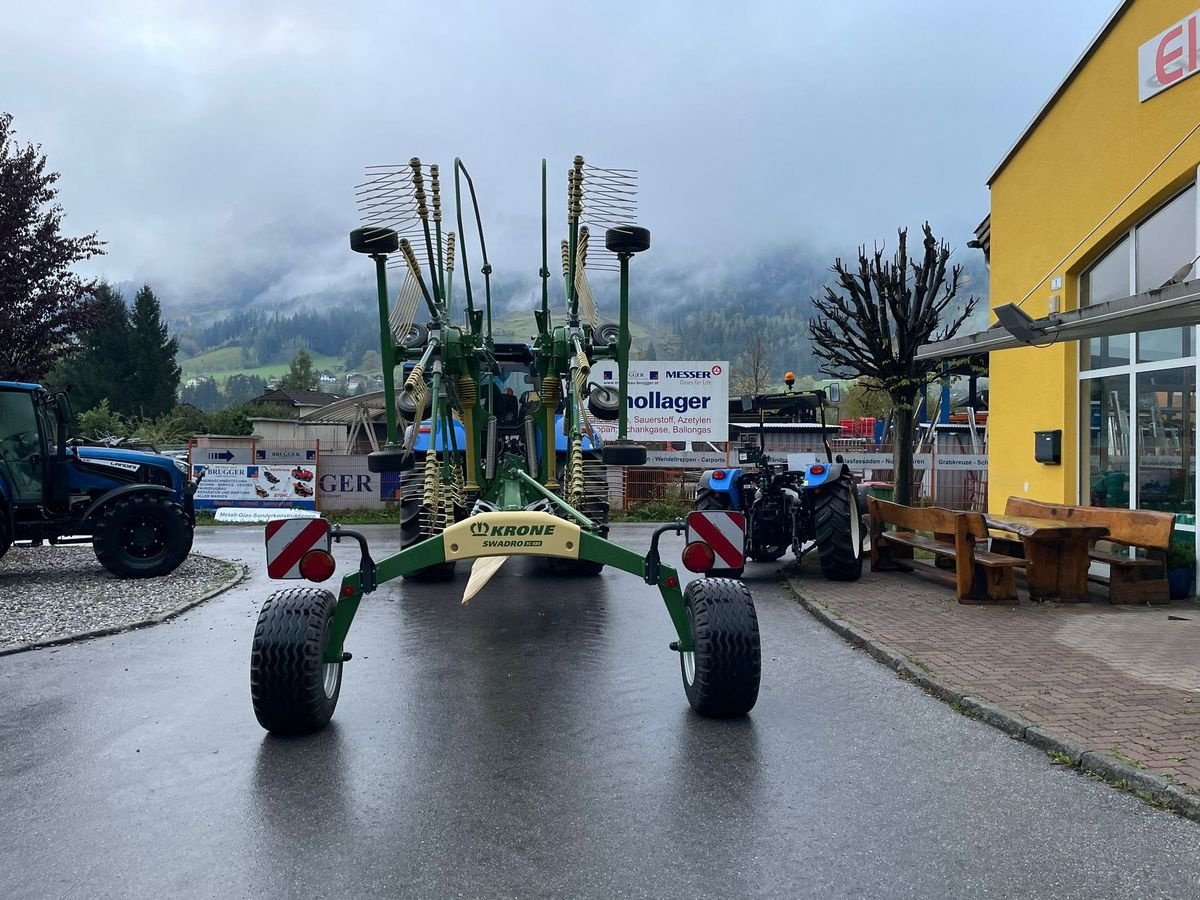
[(255, 486), (671, 401), (660, 459)]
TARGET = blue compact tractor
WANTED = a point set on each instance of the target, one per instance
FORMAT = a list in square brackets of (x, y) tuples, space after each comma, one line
[(816, 505), (135, 508)]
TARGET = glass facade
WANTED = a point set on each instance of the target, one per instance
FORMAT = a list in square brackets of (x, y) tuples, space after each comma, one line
[(1138, 391)]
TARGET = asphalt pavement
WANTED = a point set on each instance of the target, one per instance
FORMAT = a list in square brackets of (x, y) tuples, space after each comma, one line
[(536, 743)]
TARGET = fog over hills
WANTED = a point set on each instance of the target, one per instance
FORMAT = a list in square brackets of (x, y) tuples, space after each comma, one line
[(705, 311)]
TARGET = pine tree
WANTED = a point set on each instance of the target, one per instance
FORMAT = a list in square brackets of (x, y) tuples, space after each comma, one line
[(101, 370), (44, 307), (152, 357), (300, 376)]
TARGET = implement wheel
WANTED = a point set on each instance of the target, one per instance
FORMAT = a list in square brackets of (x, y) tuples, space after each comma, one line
[(720, 677), (293, 689), (142, 536), (838, 528)]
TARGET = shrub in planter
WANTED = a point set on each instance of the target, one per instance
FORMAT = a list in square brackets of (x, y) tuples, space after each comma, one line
[(1181, 567)]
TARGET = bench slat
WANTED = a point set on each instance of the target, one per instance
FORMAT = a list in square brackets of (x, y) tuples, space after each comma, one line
[(1115, 559), (908, 539), (998, 560)]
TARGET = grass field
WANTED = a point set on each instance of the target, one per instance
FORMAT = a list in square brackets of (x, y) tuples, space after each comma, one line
[(226, 361)]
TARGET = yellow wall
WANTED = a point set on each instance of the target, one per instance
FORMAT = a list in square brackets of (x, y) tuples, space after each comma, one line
[(1091, 149)]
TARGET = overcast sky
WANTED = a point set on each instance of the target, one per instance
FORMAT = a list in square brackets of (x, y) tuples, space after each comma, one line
[(211, 143)]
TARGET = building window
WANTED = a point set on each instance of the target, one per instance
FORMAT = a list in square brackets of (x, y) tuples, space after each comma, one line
[(1106, 441), (1141, 455), (1166, 463)]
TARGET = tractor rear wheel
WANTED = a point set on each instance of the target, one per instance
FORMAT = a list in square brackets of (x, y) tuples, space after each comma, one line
[(595, 507), (721, 675), (838, 529), (293, 689), (707, 499), (142, 536)]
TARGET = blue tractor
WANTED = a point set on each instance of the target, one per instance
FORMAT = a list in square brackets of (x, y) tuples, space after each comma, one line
[(816, 506), (136, 508)]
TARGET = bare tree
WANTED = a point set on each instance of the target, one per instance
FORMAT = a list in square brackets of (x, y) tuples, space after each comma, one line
[(752, 368), (871, 322)]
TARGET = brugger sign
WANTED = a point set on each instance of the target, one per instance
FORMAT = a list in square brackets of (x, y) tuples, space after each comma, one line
[(671, 401), (1169, 57)]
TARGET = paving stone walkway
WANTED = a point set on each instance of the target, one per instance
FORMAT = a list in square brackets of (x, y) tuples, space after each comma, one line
[(1120, 680)]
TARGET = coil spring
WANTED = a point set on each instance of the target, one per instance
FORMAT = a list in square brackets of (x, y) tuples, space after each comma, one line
[(575, 488), (431, 499), (468, 392), (551, 391)]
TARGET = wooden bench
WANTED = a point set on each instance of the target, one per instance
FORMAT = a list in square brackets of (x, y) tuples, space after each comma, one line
[(1130, 580), (980, 576)]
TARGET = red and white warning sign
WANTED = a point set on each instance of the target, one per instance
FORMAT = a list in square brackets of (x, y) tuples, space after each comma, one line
[(289, 539), (723, 531)]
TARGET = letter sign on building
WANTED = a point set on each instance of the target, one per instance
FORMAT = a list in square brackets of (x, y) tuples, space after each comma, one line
[(1168, 58)]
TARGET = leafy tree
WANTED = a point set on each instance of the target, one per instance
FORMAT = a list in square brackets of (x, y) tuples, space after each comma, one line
[(371, 363), (202, 393), (243, 388), (873, 320), (101, 422), (101, 372), (45, 307), (300, 376), (864, 398), (155, 374)]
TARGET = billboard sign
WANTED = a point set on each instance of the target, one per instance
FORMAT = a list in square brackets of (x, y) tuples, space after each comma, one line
[(255, 486), (670, 401), (1169, 57)]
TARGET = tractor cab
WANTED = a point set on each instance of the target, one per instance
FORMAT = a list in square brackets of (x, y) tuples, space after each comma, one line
[(33, 448), (511, 386)]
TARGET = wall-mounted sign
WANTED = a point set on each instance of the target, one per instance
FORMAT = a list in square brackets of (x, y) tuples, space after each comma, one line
[(1169, 57), (255, 486), (671, 401)]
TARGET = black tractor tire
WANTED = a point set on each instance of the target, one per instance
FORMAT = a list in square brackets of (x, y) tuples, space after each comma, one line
[(416, 336), (623, 453), (410, 533), (721, 675), (293, 689), (770, 553), (374, 239), (604, 403), (142, 536), (838, 528), (708, 499), (627, 239), (5, 537), (595, 484), (608, 333)]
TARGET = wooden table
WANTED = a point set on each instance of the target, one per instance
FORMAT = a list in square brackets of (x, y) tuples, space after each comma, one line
[(1057, 553)]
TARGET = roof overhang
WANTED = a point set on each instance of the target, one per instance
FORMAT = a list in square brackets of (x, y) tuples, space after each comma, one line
[(1167, 307)]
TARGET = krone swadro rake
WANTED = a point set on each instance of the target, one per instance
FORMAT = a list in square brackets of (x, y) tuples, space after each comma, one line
[(491, 446)]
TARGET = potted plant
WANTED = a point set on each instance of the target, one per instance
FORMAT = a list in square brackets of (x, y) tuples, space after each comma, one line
[(1181, 567)]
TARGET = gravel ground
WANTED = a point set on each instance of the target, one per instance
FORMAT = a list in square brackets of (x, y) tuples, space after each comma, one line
[(50, 592)]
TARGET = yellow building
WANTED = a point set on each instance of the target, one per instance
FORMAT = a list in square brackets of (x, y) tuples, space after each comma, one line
[(1093, 210)]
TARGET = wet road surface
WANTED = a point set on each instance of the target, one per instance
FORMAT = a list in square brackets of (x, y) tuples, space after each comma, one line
[(536, 743)]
